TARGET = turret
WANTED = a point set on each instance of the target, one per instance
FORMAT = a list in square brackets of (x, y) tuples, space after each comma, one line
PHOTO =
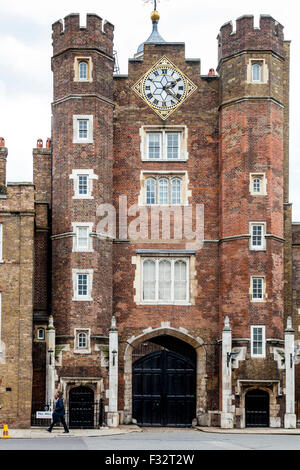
[(253, 71), (82, 134)]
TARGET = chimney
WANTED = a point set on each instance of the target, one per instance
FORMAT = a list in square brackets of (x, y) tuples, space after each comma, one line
[(3, 155)]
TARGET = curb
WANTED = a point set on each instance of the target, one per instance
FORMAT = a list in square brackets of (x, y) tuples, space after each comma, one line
[(269, 431)]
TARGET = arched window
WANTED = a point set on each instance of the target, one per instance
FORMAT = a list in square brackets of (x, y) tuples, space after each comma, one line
[(256, 73), (163, 191), (83, 70), (149, 280), (150, 191), (176, 191), (41, 333), (257, 185), (82, 340), (180, 280), (165, 280)]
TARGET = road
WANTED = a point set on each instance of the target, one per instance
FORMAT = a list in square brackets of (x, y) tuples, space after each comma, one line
[(160, 439)]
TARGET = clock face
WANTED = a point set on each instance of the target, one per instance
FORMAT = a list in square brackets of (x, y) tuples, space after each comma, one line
[(164, 87)]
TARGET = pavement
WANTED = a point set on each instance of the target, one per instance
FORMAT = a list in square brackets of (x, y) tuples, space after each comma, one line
[(42, 433)]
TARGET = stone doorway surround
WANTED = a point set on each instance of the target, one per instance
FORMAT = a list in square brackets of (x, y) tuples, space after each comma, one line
[(274, 390), (185, 336)]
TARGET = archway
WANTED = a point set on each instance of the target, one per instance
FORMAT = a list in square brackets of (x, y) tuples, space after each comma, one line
[(257, 405), (81, 407), (192, 371)]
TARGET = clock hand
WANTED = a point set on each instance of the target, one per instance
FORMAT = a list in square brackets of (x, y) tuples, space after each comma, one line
[(170, 92), (169, 85)]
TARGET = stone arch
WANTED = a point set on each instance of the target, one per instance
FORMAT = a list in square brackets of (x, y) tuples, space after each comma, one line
[(274, 407), (183, 335)]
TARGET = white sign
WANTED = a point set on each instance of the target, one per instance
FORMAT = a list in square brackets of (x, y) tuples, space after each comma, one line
[(44, 414)]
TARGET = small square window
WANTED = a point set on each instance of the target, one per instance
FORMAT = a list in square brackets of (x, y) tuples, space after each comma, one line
[(83, 129), (82, 284), (82, 341), (82, 240), (83, 67), (257, 71), (83, 183), (258, 184), (41, 334)]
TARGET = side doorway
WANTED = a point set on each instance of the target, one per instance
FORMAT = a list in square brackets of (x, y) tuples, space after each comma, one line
[(81, 408), (257, 405)]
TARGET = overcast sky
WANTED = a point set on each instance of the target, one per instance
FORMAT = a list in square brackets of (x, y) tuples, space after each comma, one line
[(25, 52)]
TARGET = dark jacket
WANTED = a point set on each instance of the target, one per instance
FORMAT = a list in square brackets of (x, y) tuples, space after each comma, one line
[(59, 409)]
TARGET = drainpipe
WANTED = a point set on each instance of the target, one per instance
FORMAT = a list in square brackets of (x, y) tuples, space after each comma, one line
[(113, 415), (290, 420)]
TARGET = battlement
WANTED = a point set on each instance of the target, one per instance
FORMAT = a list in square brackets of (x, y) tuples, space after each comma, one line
[(69, 34), (269, 36)]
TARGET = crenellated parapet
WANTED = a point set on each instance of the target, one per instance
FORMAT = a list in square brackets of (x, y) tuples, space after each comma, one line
[(269, 36), (95, 35)]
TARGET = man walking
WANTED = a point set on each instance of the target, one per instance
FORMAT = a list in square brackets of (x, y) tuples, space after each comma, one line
[(58, 414)]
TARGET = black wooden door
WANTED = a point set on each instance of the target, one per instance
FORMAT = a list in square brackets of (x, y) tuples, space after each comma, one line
[(257, 408), (81, 408), (164, 390)]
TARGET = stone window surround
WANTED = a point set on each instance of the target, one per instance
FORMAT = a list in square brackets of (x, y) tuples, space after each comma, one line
[(75, 177), (75, 226), (263, 354), (89, 273), (183, 175), (76, 119), (263, 184), (173, 261), (89, 62), (264, 231), (264, 71), (80, 350), (137, 260), (1, 243), (145, 130)]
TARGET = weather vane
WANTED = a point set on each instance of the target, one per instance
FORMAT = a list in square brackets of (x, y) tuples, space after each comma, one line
[(154, 1)]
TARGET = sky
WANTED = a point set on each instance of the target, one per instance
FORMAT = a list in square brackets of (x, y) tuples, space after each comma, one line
[(26, 49)]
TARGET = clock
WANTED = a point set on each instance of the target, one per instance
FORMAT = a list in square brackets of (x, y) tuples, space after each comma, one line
[(164, 87)]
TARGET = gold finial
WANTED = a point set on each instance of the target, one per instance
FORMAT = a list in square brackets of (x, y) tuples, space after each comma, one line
[(155, 16)]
